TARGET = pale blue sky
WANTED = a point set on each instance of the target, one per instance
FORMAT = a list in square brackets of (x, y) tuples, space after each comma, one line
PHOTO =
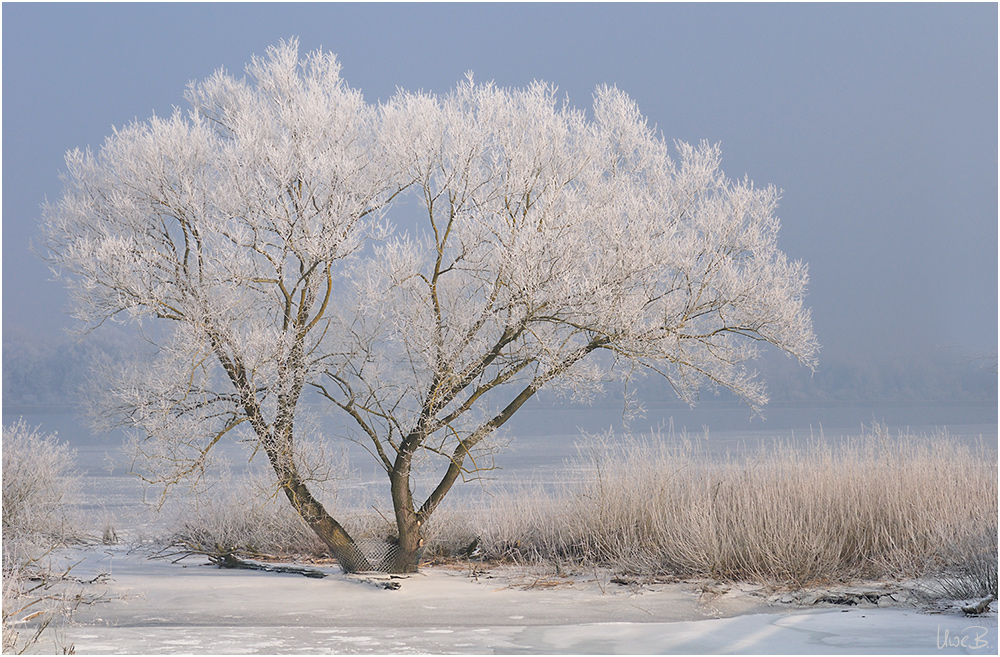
[(879, 122)]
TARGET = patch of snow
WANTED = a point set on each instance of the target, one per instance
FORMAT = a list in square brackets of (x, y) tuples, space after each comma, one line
[(157, 607)]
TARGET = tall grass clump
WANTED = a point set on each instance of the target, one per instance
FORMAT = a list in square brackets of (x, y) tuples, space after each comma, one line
[(871, 507), (38, 486), (243, 515)]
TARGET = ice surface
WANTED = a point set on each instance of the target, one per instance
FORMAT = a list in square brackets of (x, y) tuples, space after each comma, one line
[(159, 607)]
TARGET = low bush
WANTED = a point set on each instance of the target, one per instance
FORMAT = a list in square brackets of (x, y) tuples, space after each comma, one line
[(967, 566), (38, 486)]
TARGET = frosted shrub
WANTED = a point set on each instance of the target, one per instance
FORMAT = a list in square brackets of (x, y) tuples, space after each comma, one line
[(38, 484), (967, 564)]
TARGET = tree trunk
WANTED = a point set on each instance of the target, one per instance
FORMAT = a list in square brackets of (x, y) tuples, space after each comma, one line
[(409, 545), (343, 548)]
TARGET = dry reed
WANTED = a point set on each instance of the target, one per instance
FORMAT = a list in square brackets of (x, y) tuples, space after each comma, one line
[(873, 507)]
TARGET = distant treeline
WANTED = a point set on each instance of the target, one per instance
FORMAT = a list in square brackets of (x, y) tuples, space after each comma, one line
[(54, 373), (938, 375)]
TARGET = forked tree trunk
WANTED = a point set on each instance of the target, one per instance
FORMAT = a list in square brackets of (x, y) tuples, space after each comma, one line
[(402, 556)]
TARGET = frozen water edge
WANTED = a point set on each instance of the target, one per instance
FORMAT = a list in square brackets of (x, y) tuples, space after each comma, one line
[(823, 632), (158, 607), (880, 631)]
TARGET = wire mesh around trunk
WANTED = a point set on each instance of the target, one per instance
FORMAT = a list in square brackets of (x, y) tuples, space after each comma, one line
[(380, 554)]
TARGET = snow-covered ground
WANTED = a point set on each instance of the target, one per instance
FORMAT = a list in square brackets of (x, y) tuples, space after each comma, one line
[(155, 606)]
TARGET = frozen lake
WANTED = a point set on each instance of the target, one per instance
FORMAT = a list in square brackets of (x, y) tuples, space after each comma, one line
[(544, 438)]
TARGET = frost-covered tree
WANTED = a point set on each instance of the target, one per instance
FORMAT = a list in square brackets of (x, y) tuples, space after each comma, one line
[(549, 238)]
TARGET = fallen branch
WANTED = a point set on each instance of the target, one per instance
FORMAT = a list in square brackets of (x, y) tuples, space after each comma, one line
[(224, 557), (229, 560), (381, 582), (979, 607)]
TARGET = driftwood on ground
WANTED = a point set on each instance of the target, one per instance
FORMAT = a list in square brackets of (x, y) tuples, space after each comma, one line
[(224, 558), (980, 607), (229, 560)]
